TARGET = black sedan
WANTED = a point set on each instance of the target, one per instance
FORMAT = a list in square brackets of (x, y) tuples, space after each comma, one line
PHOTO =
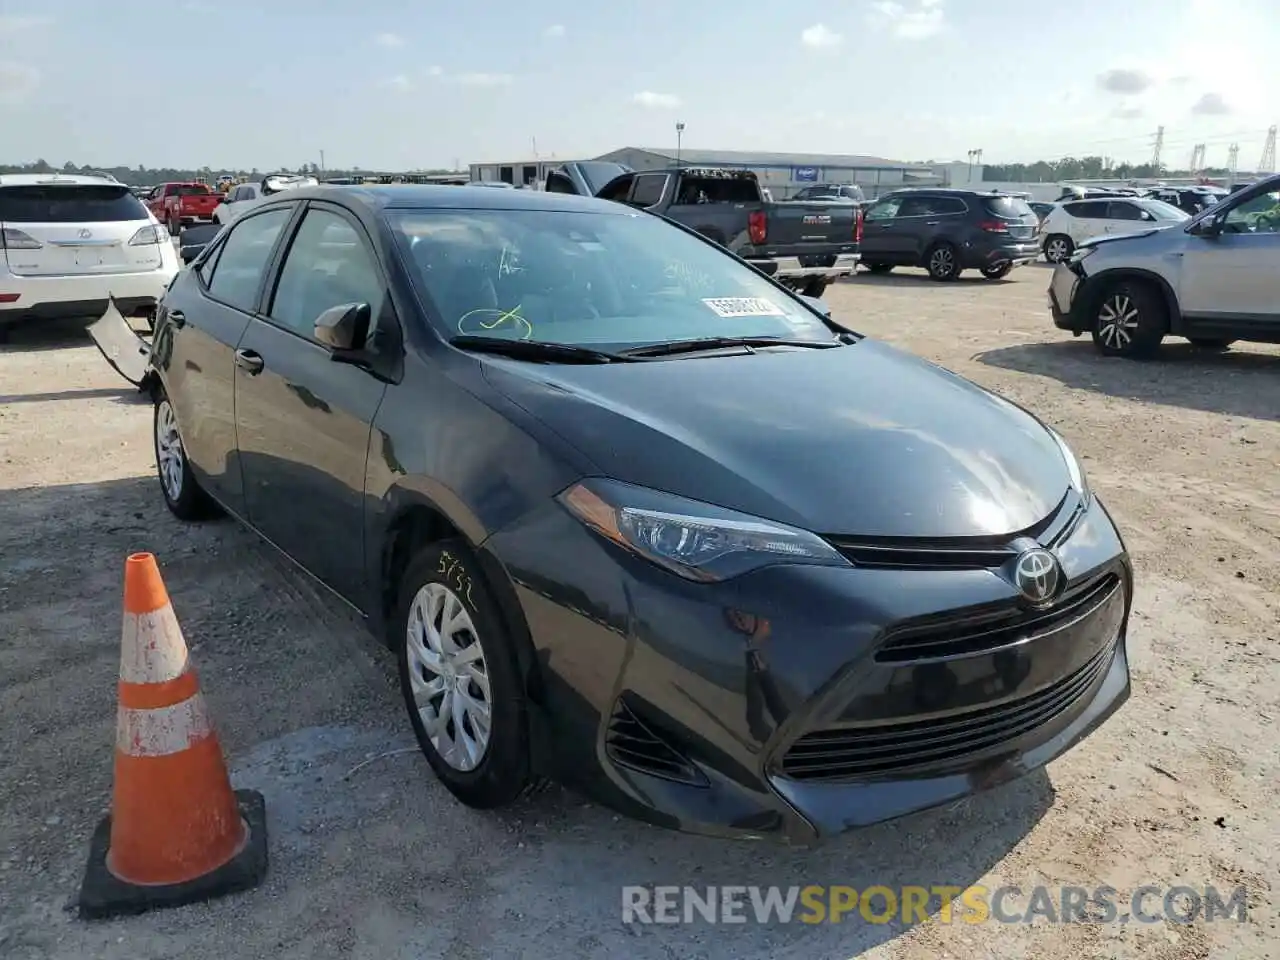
[(634, 516)]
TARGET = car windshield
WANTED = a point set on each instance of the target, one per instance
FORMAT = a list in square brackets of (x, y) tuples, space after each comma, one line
[(579, 278), (1164, 211)]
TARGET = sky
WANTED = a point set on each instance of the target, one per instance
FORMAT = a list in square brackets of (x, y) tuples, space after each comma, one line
[(413, 84)]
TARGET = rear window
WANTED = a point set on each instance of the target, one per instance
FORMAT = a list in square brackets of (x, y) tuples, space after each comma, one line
[(1008, 208), (69, 204), (189, 190), (694, 190)]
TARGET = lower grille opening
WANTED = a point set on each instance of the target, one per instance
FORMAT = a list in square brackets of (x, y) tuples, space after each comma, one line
[(881, 749), (632, 743)]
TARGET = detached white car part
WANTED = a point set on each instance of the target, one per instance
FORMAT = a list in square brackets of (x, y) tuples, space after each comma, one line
[(122, 347), (71, 243), (247, 195)]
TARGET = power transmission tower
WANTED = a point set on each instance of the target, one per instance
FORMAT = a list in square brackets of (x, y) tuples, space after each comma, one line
[(1197, 158), (1268, 162), (1233, 161), (1155, 154)]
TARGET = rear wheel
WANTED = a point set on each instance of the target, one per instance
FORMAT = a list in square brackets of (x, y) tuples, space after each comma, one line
[(1058, 248), (175, 226), (183, 495), (1130, 320), (942, 263), (997, 271), (878, 267)]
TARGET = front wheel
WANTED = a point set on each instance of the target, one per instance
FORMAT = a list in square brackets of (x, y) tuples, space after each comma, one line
[(460, 680), (997, 272), (815, 288), (183, 494), (942, 263), (1130, 320)]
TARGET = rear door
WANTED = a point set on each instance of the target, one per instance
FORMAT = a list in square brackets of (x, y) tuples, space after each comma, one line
[(203, 317), (1086, 219), (74, 229), (1124, 216), (302, 420)]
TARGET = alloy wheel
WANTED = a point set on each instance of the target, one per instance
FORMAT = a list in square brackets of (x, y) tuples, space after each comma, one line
[(1055, 251), (942, 262), (170, 457), (1118, 320), (449, 677)]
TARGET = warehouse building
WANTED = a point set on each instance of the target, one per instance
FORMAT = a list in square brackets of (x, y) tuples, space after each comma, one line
[(785, 173), (782, 173)]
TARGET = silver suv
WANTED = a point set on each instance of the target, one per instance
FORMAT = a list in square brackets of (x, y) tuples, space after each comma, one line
[(1214, 280)]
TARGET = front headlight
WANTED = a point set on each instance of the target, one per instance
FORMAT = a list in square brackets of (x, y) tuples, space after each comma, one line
[(695, 540), (1076, 469)]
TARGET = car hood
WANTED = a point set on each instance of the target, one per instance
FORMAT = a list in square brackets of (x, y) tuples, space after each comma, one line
[(857, 440), (1133, 235)]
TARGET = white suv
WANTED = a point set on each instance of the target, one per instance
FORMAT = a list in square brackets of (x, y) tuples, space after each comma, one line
[(72, 242), (247, 195), (1069, 224)]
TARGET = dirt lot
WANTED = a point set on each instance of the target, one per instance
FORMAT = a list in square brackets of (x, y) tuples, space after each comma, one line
[(375, 861)]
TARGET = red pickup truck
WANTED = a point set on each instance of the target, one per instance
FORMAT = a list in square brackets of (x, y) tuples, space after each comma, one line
[(178, 204)]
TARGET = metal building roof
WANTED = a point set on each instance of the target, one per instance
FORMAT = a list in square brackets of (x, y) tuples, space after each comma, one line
[(765, 158)]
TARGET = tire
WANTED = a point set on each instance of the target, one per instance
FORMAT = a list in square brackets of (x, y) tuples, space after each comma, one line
[(182, 493), (1210, 343), (175, 227), (497, 771), (815, 288), (942, 262), (1130, 320), (1058, 248), (997, 273), (878, 268)]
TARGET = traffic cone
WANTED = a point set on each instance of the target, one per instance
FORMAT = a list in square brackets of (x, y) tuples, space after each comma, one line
[(177, 832)]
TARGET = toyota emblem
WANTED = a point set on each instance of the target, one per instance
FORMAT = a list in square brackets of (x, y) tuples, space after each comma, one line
[(1037, 575), (86, 234)]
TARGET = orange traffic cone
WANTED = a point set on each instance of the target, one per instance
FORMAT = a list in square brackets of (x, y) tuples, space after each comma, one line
[(177, 832)]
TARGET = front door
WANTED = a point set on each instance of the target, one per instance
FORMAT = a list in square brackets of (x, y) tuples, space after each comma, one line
[(1234, 276), (883, 240), (302, 419)]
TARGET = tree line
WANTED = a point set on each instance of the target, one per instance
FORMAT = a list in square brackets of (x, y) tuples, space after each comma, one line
[(1086, 168), (141, 176)]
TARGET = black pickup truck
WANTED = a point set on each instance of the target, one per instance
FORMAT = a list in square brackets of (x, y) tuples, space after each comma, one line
[(802, 245)]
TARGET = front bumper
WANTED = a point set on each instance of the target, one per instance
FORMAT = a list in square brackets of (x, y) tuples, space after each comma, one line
[(792, 268), (1067, 298), (77, 297), (774, 705)]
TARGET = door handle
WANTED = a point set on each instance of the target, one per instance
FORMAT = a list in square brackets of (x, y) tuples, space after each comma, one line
[(250, 361), (931, 223), (177, 318)]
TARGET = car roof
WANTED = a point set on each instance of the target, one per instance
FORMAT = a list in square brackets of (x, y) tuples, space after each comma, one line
[(449, 197), (54, 179)]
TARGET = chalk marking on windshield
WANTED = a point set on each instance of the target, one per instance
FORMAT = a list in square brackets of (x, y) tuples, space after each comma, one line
[(499, 318), (729, 307)]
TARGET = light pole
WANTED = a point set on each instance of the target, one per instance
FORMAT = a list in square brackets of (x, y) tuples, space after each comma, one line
[(679, 139), (322, 161)]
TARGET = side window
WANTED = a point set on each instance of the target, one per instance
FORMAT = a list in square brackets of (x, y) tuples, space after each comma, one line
[(1259, 214), (1088, 209), (884, 209), (916, 207), (1121, 210), (648, 189), (328, 264), (950, 206), (206, 269), (243, 259)]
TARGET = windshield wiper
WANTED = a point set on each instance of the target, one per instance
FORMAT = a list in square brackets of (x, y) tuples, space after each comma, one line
[(716, 343), (537, 350)]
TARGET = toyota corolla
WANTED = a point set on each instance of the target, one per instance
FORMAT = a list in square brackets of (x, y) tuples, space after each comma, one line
[(637, 518)]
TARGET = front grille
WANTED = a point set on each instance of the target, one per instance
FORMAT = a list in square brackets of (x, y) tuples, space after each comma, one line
[(876, 751), (631, 743), (958, 553), (983, 630)]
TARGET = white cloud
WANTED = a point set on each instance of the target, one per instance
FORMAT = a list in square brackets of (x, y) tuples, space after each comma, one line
[(389, 40), (656, 101), (483, 79), (1211, 105), (918, 21), (820, 35), (17, 80), (554, 31)]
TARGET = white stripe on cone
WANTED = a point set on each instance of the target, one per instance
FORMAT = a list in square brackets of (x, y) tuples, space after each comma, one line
[(164, 730), (152, 649)]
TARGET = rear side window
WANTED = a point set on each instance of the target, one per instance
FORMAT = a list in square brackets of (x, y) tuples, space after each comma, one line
[(69, 204), (717, 190), (1008, 208), (1088, 210), (1120, 210), (647, 189), (243, 259)]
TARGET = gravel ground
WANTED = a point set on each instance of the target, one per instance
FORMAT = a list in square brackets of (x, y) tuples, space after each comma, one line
[(370, 858)]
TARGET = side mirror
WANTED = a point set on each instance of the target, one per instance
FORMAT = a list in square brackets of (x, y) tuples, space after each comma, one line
[(1208, 227), (817, 303), (191, 251), (345, 327)]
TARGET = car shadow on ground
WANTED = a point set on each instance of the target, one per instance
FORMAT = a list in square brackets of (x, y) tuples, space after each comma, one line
[(53, 335), (1235, 382), (912, 277)]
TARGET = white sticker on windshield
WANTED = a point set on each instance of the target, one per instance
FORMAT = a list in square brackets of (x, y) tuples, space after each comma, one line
[(744, 307)]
